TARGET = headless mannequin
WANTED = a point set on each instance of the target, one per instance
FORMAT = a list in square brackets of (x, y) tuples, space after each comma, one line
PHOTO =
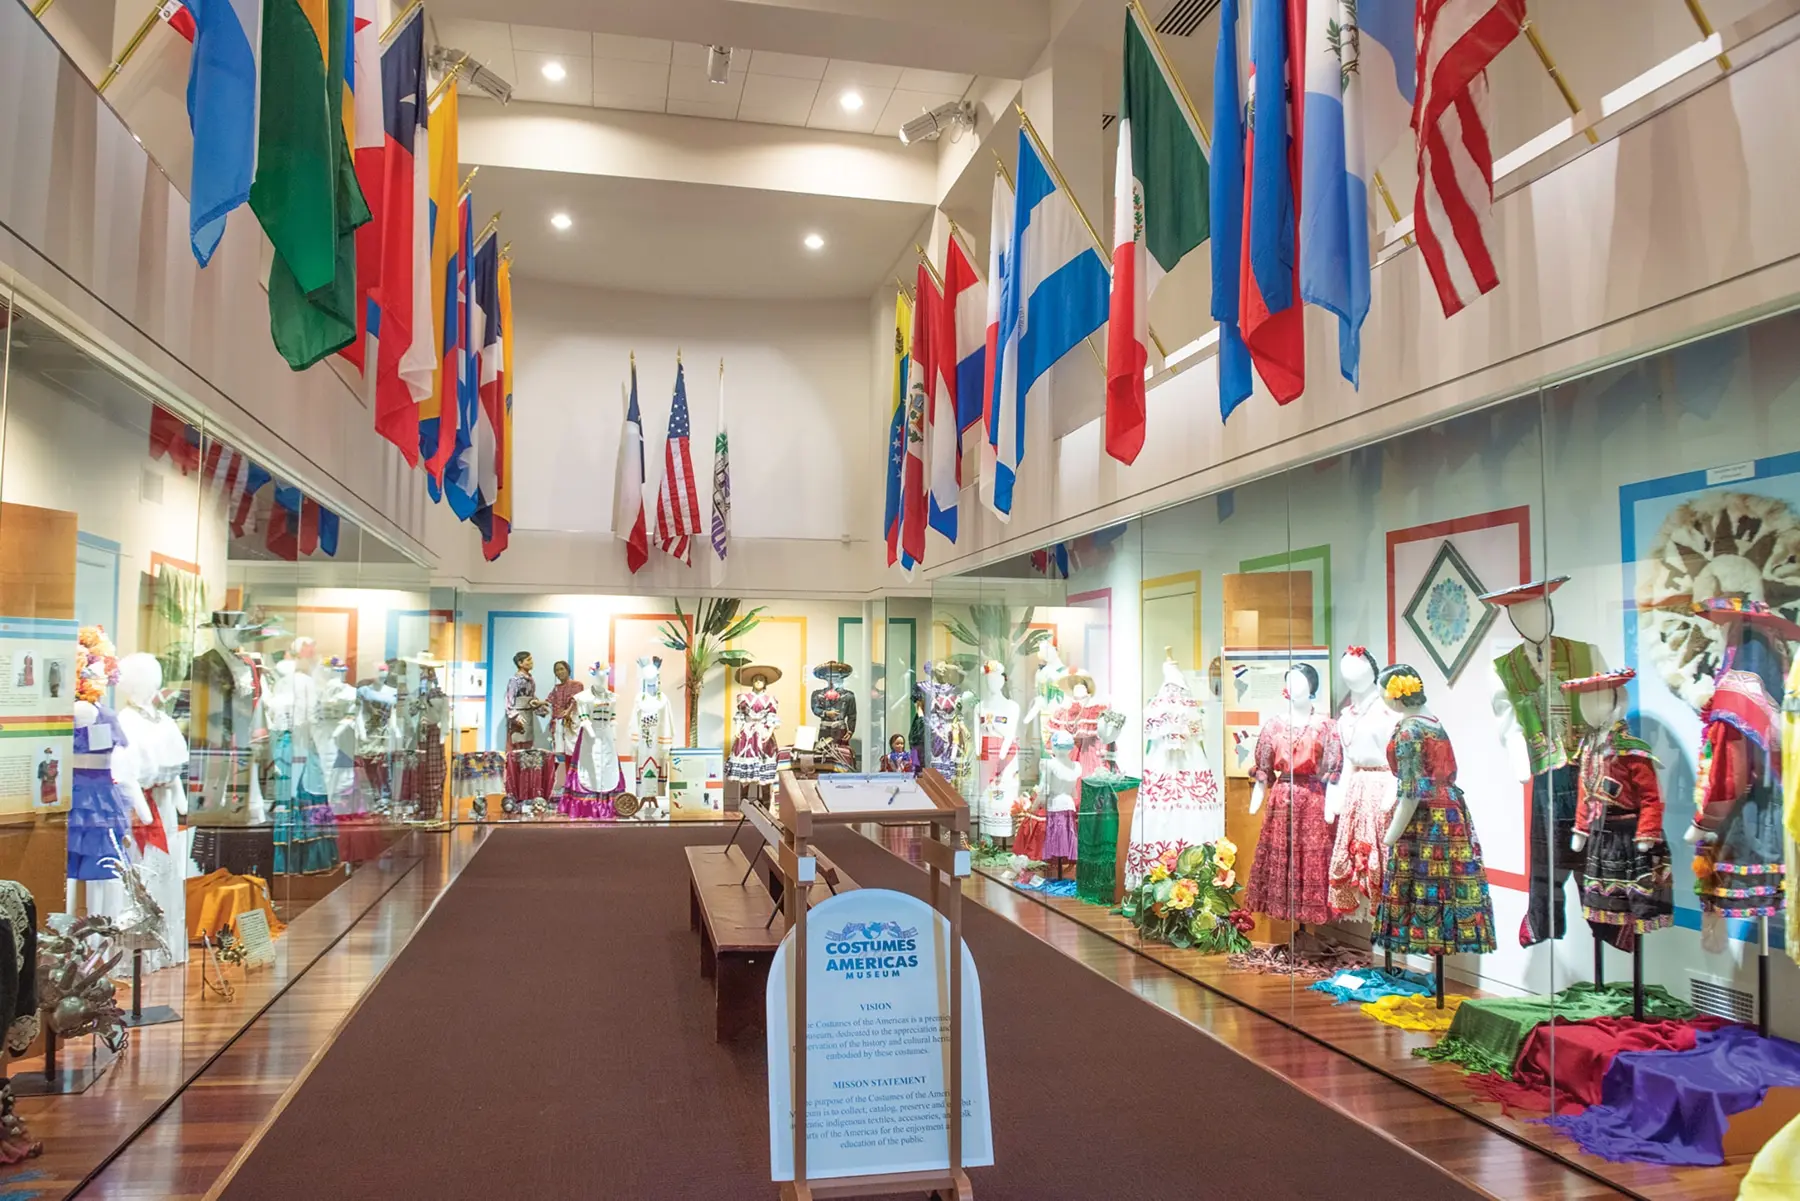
[(1061, 774), (654, 735), (228, 643), (160, 756), (1050, 673), (997, 728), (1359, 678), (1598, 711), (1300, 705)]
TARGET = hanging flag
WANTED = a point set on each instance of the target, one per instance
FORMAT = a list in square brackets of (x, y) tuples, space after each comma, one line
[(966, 303), (149, 85), (628, 497), (1053, 301), (1453, 122), (920, 387), (230, 479), (1000, 241), (175, 438), (721, 497), (896, 467), (1160, 212), (1226, 187), (368, 141), (221, 101), (1269, 293), (496, 531), (677, 502), (403, 285), (1359, 95), (958, 310), (309, 526), (282, 537), (437, 412), (328, 531), (305, 193), (484, 444), (460, 489)]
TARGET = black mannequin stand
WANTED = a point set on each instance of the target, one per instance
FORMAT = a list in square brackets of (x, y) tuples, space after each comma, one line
[(56, 1080), (142, 1015), (1438, 972)]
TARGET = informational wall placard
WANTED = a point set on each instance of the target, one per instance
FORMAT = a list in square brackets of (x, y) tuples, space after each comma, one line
[(696, 783), (878, 1042), (37, 705)]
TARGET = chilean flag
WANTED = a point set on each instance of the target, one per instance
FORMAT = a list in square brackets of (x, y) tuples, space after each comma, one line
[(921, 388), (370, 153), (403, 372)]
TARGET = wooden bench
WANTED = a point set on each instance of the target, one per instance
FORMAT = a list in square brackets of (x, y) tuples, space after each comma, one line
[(739, 927)]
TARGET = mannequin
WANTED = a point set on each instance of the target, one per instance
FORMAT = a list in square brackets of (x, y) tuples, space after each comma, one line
[(1060, 780), (753, 745), (941, 695), (430, 707), (1051, 690), (527, 770), (1542, 746), (305, 830), (334, 739), (997, 748), (103, 804), (377, 738), (561, 708), (655, 733), (225, 695), (1179, 803), (1297, 755), (1628, 883), (594, 778), (900, 757), (1080, 717), (1361, 803), (835, 707), (158, 761)]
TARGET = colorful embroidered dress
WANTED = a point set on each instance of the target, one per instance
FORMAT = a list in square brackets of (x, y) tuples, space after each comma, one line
[(1291, 875), (938, 700), (753, 749), (1179, 803), (1434, 900), (1737, 799), (1626, 892), (1365, 803)]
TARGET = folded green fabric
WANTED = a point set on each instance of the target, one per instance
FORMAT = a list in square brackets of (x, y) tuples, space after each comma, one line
[(1487, 1034)]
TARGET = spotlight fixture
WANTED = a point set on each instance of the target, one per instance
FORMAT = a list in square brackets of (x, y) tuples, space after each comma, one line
[(815, 242), (561, 221), (955, 116), (444, 58), (718, 64), (850, 100), (554, 71)]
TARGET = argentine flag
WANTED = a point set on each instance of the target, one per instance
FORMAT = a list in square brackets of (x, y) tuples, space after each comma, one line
[(1055, 294), (1359, 98)]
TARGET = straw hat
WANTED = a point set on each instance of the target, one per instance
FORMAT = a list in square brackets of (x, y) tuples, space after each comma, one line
[(1536, 590), (750, 671), (1601, 681), (1068, 682)]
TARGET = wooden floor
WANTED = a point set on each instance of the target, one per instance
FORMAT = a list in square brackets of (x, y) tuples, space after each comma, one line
[(184, 1151)]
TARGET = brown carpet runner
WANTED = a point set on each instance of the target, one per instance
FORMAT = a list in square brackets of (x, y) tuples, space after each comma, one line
[(547, 1034)]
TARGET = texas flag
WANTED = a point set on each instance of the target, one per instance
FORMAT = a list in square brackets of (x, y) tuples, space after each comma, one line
[(406, 352), (628, 497)]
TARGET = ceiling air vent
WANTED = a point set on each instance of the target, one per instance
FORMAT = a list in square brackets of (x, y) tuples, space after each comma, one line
[(1107, 119), (1717, 996), (1184, 17)]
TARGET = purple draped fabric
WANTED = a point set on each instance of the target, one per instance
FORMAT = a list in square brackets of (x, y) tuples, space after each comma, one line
[(1671, 1107)]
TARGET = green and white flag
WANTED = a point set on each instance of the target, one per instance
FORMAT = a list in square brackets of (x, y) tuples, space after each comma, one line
[(721, 500)]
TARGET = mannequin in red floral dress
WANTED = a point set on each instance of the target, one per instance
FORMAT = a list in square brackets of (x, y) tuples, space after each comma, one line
[(1297, 754)]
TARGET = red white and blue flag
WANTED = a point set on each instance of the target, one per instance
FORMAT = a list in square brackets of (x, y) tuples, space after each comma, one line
[(628, 497), (230, 478), (677, 500), (403, 292), (369, 155)]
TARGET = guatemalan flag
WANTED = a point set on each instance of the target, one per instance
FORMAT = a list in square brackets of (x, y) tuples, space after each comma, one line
[(628, 494), (1359, 97), (405, 355), (999, 268), (1054, 298), (222, 90), (1226, 184)]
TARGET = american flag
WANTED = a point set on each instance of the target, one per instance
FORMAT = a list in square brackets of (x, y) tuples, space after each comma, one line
[(229, 477), (1453, 122), (677, 504)]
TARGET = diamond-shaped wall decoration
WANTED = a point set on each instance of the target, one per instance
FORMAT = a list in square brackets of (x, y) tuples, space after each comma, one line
[(1446, 611)]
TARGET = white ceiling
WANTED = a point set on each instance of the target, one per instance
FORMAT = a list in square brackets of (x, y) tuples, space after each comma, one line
[(689, 239), (604, 70)]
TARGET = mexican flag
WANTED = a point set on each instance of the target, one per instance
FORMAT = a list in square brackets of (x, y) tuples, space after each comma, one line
[(1160, 212)]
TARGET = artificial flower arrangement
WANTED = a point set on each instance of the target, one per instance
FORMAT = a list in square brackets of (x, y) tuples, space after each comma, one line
[(96, 664), (1189, 898)]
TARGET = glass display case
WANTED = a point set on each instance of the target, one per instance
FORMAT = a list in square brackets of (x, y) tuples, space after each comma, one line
[(1461, 752)]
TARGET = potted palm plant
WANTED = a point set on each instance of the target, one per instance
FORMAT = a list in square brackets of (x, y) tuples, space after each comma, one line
[(702, 639), (993, 633)]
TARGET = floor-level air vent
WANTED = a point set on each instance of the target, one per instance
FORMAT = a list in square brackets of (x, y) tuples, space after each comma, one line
[(1184, 17), (1719, 997)]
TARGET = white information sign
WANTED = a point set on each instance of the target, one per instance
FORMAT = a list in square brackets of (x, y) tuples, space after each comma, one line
[(253, 929), (846, 793), (878, 1042)]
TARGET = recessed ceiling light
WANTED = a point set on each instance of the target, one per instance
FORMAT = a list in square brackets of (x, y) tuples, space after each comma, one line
[(850, 100), (815, 242), (554, 72), (561, 220)]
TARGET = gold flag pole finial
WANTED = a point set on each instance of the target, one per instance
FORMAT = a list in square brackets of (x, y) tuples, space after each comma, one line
[(448, 79), (37, 10), (1063, 184), (467, 180), (937, 277), (904, 290), (678, 356), (131, 47), (1000, 166), (493, 223), (634, 358), (397, 22), (1694, 10), (1562, 85)]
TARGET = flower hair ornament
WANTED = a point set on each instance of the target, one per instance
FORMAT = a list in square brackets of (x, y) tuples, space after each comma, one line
[(1403, 685), (96, 664), (1355, 651)]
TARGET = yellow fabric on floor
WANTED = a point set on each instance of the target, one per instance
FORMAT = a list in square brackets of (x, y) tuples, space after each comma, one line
[(1775, 1172), (1416, 1013)]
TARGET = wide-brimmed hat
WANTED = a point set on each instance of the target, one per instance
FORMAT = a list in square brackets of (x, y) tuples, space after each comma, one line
[(832, 669), (1735, 606), (1536, 590), (1068, 682), (751, 671), (1601, 681), (228, 618), (949, 669)]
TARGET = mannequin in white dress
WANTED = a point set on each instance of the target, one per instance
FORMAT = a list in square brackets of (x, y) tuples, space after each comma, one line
[(655, 734), (155, 760), (1060, 777), (334, 738), (1180, 803), (997, 753), (1361, 801)]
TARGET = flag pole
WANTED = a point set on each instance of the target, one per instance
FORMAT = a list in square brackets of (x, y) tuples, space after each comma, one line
[(37, 10), (1562, 85), (131, 47), (1000, 164), (956, 232), (467, 180), (493, 223), (397, 22), (446, 81), (1168, 67), (1063, 184), (937, 277), (1693, 7), (904, 290)]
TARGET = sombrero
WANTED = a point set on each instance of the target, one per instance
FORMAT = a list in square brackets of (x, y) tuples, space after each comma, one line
[(1068, 682), (751, 671), (1536, 590), (1735, 606), (1601, 681), (832, 669)]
